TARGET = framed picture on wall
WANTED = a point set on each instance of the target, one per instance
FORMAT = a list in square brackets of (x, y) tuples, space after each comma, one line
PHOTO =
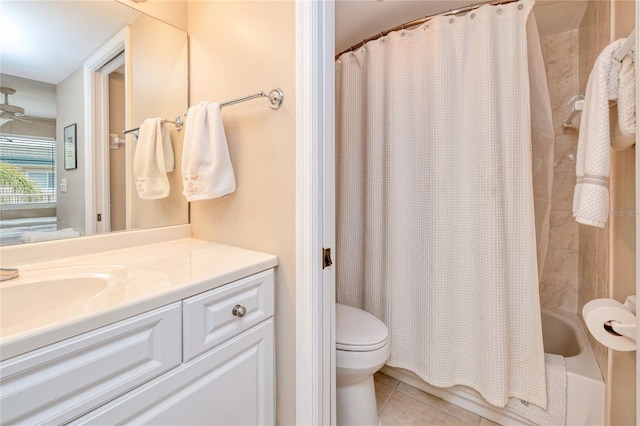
[(70, 147)]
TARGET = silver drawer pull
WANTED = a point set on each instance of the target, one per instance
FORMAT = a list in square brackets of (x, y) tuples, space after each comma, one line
[(239, 311)]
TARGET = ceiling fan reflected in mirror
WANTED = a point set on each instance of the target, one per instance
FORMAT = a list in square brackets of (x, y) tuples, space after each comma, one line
[(10, 112)]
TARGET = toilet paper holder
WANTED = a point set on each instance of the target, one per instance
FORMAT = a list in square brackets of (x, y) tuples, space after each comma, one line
[(618, 329), (612, 323)]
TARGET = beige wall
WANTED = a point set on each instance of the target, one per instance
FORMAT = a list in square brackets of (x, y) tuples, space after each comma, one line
[(238, 48), (70, 107), (159, 73), (623, 245), (117, 157)]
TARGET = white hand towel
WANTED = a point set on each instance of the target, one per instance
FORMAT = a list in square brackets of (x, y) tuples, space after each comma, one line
[(206, 166), (35, 236), (152, 160), (591, 195)]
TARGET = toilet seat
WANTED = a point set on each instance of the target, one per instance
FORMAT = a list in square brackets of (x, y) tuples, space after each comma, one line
[(359, 331)]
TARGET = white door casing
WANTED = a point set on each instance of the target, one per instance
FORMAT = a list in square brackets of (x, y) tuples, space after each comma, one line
[(315, 217)]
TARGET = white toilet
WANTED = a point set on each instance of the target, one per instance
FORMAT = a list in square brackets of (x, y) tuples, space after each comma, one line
[(362, 348)]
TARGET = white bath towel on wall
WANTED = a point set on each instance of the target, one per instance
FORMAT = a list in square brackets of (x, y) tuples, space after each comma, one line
[(152, 160), (593, 162), (206, 166), (436, 231)]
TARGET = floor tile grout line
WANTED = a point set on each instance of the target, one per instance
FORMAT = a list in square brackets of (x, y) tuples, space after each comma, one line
[(386, 401), (436, 407), (396, 387)]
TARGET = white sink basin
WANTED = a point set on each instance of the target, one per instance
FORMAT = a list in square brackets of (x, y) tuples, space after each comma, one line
[(39, 293)]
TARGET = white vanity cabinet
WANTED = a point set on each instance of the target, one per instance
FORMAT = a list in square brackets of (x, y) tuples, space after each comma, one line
[(205, 360)]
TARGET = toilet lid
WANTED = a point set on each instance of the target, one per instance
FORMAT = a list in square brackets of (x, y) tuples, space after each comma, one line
[(357, 330)]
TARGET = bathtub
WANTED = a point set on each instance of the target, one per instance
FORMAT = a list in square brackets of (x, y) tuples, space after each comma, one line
[(563, 335)]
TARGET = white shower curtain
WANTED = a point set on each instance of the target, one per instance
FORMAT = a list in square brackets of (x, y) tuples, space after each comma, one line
[(436, 229)]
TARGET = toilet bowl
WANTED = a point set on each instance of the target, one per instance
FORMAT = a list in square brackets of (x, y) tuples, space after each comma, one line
[(362, 348)]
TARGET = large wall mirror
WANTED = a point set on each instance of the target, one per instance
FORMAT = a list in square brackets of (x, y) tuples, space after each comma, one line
[(97, 67)]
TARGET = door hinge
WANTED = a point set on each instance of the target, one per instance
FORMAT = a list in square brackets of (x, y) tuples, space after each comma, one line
[(99, 217), (326, 258)]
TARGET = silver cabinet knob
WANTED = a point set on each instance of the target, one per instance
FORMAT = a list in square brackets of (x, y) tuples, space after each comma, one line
[(239, 311)]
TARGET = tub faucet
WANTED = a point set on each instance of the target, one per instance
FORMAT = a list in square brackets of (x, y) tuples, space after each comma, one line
[(8, 273)]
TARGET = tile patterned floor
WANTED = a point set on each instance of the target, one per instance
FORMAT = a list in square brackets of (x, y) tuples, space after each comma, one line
[(401, 404)]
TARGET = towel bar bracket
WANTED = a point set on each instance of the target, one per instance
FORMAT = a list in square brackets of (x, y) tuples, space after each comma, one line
[(275, 98), (179, 122)]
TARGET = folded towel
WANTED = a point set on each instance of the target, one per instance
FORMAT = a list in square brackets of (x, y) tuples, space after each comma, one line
[(627, 97), (35, 236), (556, 411), (152, 160), (619, 141), (591, 195), (206, 165)]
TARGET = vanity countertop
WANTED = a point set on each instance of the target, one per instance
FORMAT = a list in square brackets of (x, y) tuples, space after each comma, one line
[(154, 275)]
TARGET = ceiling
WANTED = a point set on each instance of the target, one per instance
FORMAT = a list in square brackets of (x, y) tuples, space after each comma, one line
[(357, 20), (44, 42)]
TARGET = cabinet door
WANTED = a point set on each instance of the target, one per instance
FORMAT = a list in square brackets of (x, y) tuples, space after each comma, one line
[(65, 380), (232, 384)]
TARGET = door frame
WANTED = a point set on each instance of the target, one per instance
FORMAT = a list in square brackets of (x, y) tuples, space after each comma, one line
[(637, 213), (96, 132), (315, 212)]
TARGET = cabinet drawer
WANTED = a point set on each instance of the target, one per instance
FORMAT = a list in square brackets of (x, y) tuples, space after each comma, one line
[(60, 382), (208, 318)]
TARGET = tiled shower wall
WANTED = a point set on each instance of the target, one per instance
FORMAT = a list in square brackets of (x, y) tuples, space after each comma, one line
[(559, 282), (577, 262), (583, 262), (593, 265)]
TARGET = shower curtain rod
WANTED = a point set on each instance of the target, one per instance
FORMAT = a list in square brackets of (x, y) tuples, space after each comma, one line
[(420, 21)]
